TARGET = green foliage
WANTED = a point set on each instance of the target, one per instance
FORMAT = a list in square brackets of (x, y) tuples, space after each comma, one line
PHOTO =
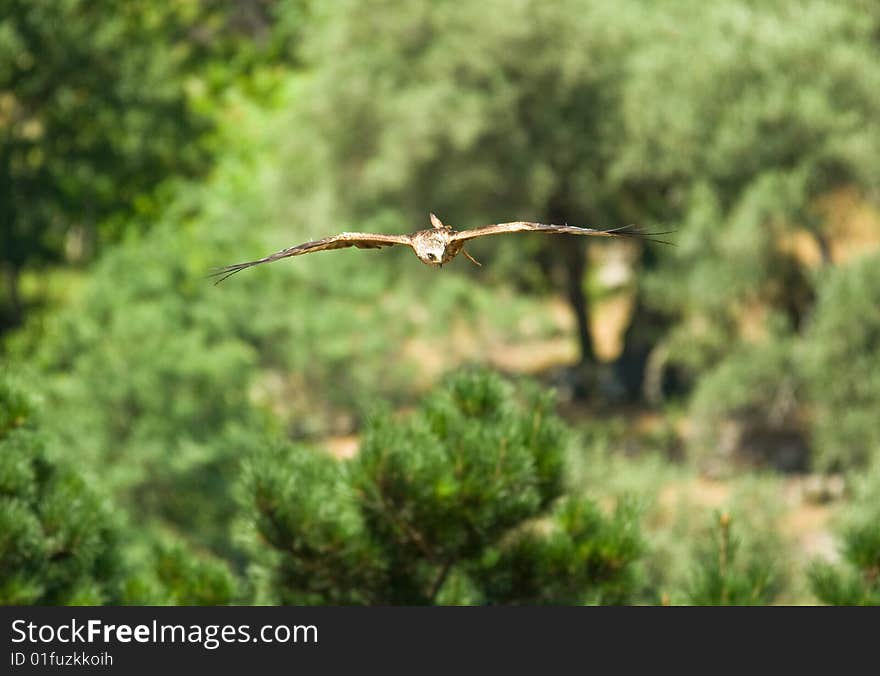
[(62, 542), (148, 392), (726, 574), (760, 107), (581, 556), (449, 494), (59, 538), (738, 143), (171, 572), (238, 37), (753, 406), (103, 102), (510, 118), (842, 365), (855, 580), (462, 473), (306, 512), (748, 411), (93, 117), (680, 541)]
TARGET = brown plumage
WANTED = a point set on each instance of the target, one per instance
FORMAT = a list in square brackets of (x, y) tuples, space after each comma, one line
[(435, 246)]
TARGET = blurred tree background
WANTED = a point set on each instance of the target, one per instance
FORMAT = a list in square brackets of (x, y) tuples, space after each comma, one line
[(315, 431)]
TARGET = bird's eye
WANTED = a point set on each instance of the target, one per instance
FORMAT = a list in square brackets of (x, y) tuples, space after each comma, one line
[(432, 257)]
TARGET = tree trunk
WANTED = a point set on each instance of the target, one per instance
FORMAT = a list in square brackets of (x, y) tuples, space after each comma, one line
[(572, 253), (824, 248), (646, 330), (643, 334), (575, 261)]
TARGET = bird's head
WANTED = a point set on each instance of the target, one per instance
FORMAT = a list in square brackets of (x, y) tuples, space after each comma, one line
[(432, 253), (433, 247)]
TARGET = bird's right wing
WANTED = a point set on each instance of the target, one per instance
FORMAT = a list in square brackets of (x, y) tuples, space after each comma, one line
[(361, 240)]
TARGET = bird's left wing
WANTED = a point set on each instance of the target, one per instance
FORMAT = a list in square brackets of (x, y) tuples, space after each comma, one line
[(361, 240), (525, 226)]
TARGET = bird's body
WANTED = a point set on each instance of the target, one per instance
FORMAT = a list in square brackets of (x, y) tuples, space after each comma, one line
[(434, 246)]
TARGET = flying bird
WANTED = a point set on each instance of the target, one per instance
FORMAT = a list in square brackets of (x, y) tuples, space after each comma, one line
[(434, 246)]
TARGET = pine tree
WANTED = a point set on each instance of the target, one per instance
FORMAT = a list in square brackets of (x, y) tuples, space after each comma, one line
[(58, 536), (726, 574), (63, 542), (459, 502)]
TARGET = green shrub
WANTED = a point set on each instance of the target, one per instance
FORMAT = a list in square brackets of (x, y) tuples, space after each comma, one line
[(749, 411), (855, 580), (842, 365), (727, 574), (166, 570), (62, 542), (579, 556), (460, 492), (58, 536)]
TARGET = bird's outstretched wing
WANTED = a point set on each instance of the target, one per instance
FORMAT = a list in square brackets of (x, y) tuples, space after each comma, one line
[(524, 226), (361, 240)]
